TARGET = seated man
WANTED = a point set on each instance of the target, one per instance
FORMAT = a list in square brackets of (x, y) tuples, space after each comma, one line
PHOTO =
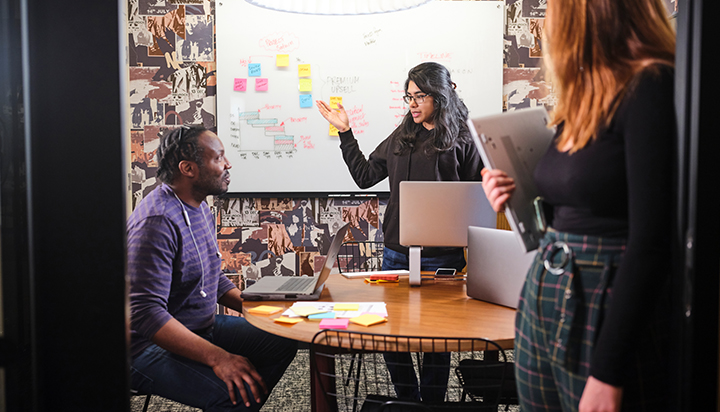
[(180, 348)]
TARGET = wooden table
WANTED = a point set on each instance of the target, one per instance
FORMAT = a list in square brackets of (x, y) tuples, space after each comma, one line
[(438, 308)]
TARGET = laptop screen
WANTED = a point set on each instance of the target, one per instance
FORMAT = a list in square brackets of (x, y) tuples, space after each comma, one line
[(439, 213)]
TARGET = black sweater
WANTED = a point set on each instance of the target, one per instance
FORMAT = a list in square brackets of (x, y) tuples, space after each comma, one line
[(459, 163), (620, 185)]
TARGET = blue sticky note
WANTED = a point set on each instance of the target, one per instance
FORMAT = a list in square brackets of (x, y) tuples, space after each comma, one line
[(254, 69), (321, 316), (306, 100)]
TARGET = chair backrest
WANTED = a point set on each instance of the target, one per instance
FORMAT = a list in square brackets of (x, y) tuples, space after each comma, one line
[(360, 256), (352, 371)]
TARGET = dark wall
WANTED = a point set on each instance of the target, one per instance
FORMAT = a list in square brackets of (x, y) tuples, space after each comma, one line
[(67, 345)]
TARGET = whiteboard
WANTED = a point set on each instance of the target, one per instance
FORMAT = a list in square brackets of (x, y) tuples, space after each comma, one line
[(278, 143)]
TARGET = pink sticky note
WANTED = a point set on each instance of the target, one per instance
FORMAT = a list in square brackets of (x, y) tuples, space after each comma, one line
[(334, 323), (240, 85), (261, 84)]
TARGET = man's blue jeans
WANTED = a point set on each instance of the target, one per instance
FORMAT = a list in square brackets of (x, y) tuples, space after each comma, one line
[(162, 373), (435, 368)]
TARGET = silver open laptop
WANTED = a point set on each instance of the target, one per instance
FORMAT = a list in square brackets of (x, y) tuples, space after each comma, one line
[(439, 213), (296, 287), (496, 266)]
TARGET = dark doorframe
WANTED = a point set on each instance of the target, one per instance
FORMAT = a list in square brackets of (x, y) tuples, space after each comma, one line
[(698, 205), (64, 207)]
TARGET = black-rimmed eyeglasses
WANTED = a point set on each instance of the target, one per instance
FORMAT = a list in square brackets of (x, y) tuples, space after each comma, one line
[(419, 98)]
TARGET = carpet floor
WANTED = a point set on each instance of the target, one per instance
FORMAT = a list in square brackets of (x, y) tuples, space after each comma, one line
[(292, 393)]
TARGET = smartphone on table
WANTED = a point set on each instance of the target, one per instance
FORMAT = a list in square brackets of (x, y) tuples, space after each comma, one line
[(445, 272)]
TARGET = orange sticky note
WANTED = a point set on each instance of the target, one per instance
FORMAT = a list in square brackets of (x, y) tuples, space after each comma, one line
[(285, 319), (334, 101), (282, 60), (303, 70), (368, 319), (264, 310)]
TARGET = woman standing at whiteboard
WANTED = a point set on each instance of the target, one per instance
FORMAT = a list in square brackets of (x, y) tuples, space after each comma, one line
[(432, 143), (592, 317)]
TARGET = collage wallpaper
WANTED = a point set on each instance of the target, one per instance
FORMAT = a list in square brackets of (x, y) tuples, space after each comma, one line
[(172, 75)]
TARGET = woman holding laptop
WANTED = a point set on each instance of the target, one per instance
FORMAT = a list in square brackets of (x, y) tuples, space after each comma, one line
[(593, 310), (432, 143)]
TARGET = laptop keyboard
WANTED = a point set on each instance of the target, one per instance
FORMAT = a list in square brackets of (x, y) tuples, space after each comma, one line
[(297, 283)]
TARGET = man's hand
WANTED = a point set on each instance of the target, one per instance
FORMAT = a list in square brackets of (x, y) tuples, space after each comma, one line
[(235, 370)]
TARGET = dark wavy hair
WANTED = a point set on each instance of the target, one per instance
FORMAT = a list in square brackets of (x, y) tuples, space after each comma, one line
[(177, 145), (449, 115)]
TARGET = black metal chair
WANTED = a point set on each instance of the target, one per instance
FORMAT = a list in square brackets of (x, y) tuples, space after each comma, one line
[(360, 256), (478, 384), (133, 392)]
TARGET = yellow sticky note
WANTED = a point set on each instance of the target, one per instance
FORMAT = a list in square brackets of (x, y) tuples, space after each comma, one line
[(346, 307), (282, 60), (285, 319), (264, 310), (305, 85), (334, 101), (306, 310), (303, 70), (333, 131), (368, 319)]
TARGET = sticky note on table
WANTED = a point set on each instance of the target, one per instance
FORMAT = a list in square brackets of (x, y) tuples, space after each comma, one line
[(305, 85), (334, 324), (265, 310), (285, 319), (306, 310), (321, 316), (334, 101), (240, 85), (306, 100), (282, 60), (368, 319), (254, 70), (261, 84), (345, 307), (303, 70)]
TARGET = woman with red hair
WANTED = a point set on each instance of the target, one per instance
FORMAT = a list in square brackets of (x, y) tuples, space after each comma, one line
[(594, 307)]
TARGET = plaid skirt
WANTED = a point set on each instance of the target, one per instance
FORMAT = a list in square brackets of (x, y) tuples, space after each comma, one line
[(567, 291)]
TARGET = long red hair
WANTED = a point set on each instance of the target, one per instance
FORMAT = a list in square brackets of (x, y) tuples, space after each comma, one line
[(595, 49)]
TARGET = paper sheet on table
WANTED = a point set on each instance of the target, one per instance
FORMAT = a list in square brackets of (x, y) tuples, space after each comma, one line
[(306, 310), (378, 308)]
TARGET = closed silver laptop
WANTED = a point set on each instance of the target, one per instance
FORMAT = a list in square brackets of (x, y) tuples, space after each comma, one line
[(514, 142), (497, 265)]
